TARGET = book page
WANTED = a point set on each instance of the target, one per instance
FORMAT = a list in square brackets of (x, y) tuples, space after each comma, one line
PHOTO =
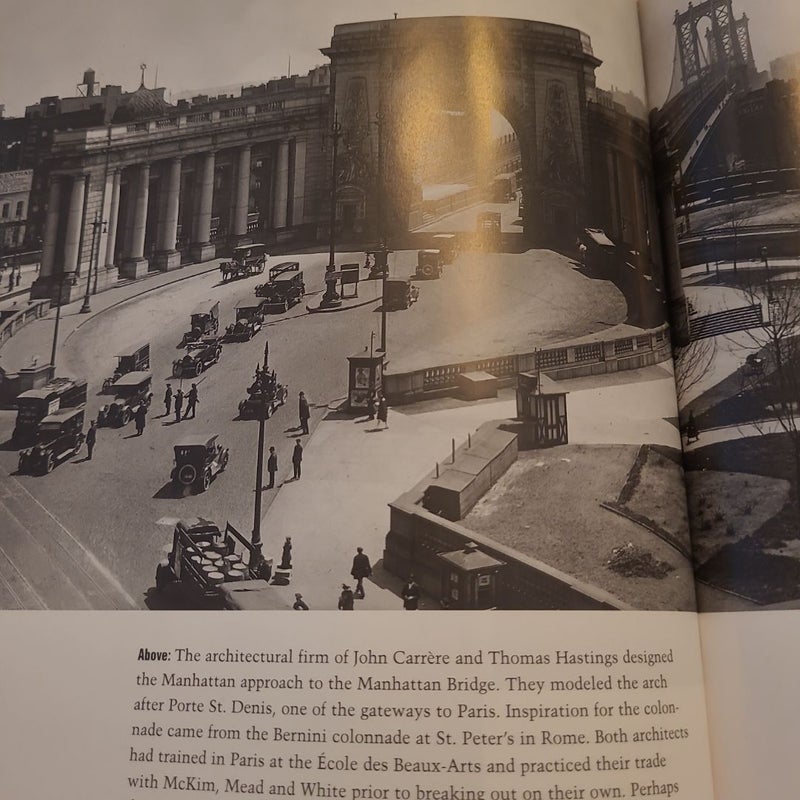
[(727, 119), (345, 309)]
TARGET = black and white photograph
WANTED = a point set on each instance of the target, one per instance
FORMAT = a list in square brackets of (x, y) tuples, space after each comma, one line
[(726, 123), (364, 306)]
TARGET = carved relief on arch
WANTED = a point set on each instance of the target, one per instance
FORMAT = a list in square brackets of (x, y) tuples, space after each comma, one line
[(355, 164), (559, 156)]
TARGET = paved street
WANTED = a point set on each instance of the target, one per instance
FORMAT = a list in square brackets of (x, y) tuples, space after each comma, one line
[(118, 510)]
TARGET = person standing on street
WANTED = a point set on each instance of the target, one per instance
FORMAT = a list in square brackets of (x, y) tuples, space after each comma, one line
[(286, 555), (178, 404), (371, 406), (299, 603), (167, 400), (297, 458), (410, 594), (383, 411), (361, 569), (91, 438), (346, 599), (141, 418), (191, 401), (304, 413), (272, 467)]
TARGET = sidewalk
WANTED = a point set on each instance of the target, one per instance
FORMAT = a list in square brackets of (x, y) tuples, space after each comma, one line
[(352, 470)]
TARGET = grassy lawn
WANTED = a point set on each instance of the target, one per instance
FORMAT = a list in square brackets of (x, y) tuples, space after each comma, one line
[(775, 210), (547, 506)]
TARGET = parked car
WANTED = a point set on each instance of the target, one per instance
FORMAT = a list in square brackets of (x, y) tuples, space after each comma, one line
[(199, 357), (248, 322), (284, 289), (429, 264), (137, 360), (247, 260), (399, 293), (59, 437), (264, 396), (204, 321), (198, 460), (131, 390)]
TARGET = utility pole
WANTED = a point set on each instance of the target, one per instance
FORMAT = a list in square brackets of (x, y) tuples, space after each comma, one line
[(256, 556), (61, 280), (93, 258), (379, 120)]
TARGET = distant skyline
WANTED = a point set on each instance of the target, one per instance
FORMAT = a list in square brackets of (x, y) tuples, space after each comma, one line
[(773, 26), (193, 46)]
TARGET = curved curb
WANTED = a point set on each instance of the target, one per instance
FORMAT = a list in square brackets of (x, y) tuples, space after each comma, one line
[(319, 310)]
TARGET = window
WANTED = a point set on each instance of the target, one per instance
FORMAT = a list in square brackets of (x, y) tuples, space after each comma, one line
[(20, 208), (5, 210)]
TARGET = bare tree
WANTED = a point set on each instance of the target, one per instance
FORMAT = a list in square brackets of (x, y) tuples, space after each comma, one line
[(772, 370), (692, 363)]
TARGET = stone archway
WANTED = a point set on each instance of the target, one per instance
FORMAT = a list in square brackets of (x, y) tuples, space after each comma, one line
[(536, 75)]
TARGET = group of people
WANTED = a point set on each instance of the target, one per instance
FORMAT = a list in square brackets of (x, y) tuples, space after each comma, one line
[(176, 401)]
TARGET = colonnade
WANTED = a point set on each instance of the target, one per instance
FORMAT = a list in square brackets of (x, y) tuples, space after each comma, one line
[(139, 232)]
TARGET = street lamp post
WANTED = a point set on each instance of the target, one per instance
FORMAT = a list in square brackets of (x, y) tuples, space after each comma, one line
[(256, 556), (331, 297), (379, 120), (98, 223), (61, 281)]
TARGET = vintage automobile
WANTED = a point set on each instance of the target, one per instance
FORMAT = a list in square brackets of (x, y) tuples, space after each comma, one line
[(247, 260), (377, 262), (198, 460), (203, 559), (284, 289), (429, 264), (399, 293), (60, 436), (447, 244), (199, 357), (264, 396), (35, 404), (135, 361), (204, 321), (249, 319), (131, 391), (488, 230)]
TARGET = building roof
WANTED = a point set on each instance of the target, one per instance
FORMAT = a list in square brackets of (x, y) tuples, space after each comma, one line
[(142, 104)]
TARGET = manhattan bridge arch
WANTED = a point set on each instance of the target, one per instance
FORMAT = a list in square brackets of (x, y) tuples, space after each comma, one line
[(393, 80)]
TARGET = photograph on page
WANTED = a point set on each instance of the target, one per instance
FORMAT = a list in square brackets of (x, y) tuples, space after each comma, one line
[(726, 131), (355, 307)]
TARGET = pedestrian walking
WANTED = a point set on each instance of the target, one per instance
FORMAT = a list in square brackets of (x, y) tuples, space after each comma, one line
[(299, 603), (141, 418), (272, 467), (361, 569), (410, 594), (91, 438), (371, 406), (346, 599), (297, 458), (167, 400), (191, 401), (178, 404), (303, 413), (383, 411), (286, 555)]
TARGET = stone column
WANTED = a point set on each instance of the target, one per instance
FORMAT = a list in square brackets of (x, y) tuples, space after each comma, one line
[(113, 219), (51, 228), (299, 184), (201, 249), (136, 265), (241, 200), (281, 186), (72, 237), (168, 257)]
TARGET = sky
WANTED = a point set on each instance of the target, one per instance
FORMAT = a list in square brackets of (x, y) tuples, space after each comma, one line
[(774, 26), (198, 44)]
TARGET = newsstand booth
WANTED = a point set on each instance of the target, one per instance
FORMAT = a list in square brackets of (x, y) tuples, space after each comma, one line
[(366, 376), (543, 409), (470, 578)]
